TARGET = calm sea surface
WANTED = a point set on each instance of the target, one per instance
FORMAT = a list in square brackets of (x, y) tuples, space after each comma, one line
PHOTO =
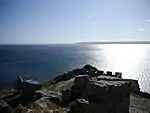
[(42, 62)]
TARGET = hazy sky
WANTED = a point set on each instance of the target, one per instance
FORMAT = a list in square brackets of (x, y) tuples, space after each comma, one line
[(50, 21)]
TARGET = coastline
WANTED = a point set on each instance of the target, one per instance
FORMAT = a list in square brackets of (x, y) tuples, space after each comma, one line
[(66, 81)]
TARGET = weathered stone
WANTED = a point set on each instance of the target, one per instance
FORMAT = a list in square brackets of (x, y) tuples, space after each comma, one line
[(88, 67), (64, 77), (79, 71), (100, 72), (41, 103), (134, 86), (101, 108), (4, 107), (21, 109), (66, 94), (109, 73), (30, 86), (82, 80), (45, 105), (19, 83), (52, 95), (105, 96), (108, 90), (80, 84), (81, 106), (109, 78), (118, 74)]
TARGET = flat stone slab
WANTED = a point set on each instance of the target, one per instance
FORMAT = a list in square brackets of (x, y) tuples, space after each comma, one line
[(82, 76), (47, 93), (32, 82), (109, 84), (31, 86), (110, 78), (108, 91), (134, 86)]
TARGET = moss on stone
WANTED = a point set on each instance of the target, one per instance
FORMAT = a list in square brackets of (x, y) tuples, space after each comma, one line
[(6, 92), (59, 85)]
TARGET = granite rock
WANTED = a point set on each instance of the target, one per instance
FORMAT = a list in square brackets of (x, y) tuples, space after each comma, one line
[(4, 107), (66, 95)]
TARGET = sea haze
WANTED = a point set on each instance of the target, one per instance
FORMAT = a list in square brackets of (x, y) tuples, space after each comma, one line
[(43, 62)]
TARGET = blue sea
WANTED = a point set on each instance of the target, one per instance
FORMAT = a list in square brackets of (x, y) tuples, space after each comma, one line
[(43, 62)]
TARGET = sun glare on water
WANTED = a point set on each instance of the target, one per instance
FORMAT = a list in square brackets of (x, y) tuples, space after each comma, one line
[(122, 57)]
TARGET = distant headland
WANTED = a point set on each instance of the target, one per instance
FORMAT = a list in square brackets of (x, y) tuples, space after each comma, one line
[(116, 42)]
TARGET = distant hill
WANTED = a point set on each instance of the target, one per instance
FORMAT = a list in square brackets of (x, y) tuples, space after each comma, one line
[(116, 42)]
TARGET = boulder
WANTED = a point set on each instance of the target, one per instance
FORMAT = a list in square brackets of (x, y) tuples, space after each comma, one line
[(19, 83), (79, 71), (109, 73), (52, 95), (118, 74), (109, 95), (82, 80), (43, 105), (66, 94), (4, 107), (88, 67), (63, 77), (108, 90), (30, 86), (134, 86), (105, 96), (84, 106), (21, 109), (100, 72), (81, 106), (80, 84)]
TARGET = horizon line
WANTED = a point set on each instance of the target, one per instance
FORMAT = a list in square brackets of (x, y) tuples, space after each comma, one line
[(82, 42)]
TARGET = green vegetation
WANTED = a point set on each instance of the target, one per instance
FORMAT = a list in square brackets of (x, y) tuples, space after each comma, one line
[(58, 86), (6, 92)]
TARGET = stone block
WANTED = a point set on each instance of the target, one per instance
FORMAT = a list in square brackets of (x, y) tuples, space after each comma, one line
[(118, 74), (82, 80), (109, 73), (66, 94), (30, 86), (108, 91)]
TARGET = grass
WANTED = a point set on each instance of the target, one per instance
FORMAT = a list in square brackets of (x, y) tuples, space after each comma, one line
[(6, 92), (48, 86), (58, 86)]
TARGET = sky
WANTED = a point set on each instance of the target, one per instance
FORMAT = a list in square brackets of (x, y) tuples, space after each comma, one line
[(69, 21)]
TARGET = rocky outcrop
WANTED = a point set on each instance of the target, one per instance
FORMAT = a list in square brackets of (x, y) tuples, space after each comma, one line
[(101, 95), (4, 107), (52, 95), (118, 74), (66, 95), (30, 86), (81, 106), (21, 109), (80, 84), (134, 86), (89, 89), (86, 70)]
